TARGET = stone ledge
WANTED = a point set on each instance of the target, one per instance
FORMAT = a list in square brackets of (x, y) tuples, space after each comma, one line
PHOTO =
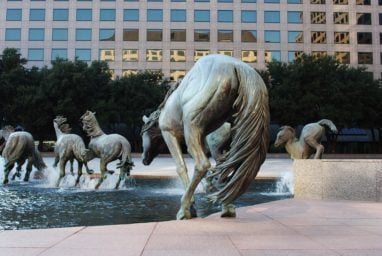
[(338, 179)]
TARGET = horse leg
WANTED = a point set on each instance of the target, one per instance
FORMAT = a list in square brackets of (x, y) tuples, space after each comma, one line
[(319, 148), (79, 172), (7, 169), (103, 172), (62, 165), (71, 161), (56, 160), (89, 171), (20, 163), (228, 210), (29, 169)]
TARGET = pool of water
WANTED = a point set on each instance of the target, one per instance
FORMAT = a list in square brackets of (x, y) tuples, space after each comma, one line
[(33, 205)]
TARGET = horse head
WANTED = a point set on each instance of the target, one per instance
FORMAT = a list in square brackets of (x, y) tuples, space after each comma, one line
[(90, 124), (152, 140), (285, 134), (60, 123)]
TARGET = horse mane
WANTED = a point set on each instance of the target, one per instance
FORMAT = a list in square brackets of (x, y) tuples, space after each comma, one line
[(90, 124)]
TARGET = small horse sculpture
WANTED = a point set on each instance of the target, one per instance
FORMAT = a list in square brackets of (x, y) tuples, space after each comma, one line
[(108, 147), (309, 142), (19, 148), (4, 135), (68, 147), (218, 88)]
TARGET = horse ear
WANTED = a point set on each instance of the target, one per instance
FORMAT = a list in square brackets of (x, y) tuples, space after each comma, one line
[(145, 119)]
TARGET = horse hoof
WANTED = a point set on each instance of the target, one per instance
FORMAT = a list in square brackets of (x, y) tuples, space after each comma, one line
[(90, 171), (183, 215), (110, 172), (193, 211), (228, 212)]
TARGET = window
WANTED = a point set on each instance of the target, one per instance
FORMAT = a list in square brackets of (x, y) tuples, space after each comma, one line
[(175, 75), (35, 54), (248, 1), (318, 37), (60, 14), (319, 54), (225, 1), (364, 18), (178, 1), (225, 35), (248, 16), (84, 14), (128, 72), (60, 34), (364, 38), (131, 34), (12, 34), (380, 38), (154, 15), (363, 2), (249, 36), (341, 18), (341, 38), (342, 57), (178, 35), (272, 56), (225, 16), (249, 56), (295, 37), (131, 15), (272, 1), (272, 17), (365, 58), (37, 14), (36, 34), (201, 35), (272, 36), (130, 55), (153, 55), (294, 1), (177, 55), (59, 53), (107, 34), (83, 34), (201, 1), (107, 54), (295, 17), (317, 1), (294, 55), (201, 15), (340, 2), (14, 14), (83, 54), (107, 15), (178, 15), (154, 35), (380, 18), (226, 52), (200, 53), (318, 18)]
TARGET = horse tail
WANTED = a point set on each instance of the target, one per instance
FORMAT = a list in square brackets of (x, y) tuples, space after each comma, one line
[(250, 138), (328, 123), (38, 162), (126, 160)]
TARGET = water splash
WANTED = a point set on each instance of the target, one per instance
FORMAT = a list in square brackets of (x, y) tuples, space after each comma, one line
[(285, 184)]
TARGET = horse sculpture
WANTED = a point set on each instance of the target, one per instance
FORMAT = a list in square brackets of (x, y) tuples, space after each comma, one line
[(108, 147), (68, 147), (218, 88), (19, 148), (309, 142)]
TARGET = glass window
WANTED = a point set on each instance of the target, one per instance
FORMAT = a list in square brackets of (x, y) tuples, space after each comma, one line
[(107, 15), (294, 55), (272, 17), (225, 16), (318, 18), (380, 38), (178, 15), (84, 14), (199, 1), (35, 54), (341, 18), (248, 1), (83, 34), (107, 34), (37, 14), (272, 36), (177, 55), (131, 14), (317, 1), (249, 56), (319, 54), (364, 38), (364, 18), (225, 35), (342, 57), (225, 1), (154, 15), (249, 36), (60, 34), (178, 1), (59, 53), (226, 52), (12, 34), (107, 54), (318, 37), (60, 14), (272, 1), (154, 35), (340, 2), (379, 2), (128, 72), (341, 38), (380, 18), (294, 1), (130, 55), (83, 54), (248, 16), (14, 14), (272, 56), (153, 55), (200, 53), (130, 34), (201, 15), (295, 37), (175, 75), (178, 35), (295, 17), (36, 34), (365, 58), (363, 2), (201, 35)]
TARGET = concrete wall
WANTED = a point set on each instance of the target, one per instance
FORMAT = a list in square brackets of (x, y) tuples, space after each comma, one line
[(338, 179)]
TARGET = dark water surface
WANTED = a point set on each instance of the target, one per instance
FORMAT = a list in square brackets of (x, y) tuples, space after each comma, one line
[(30, 205)]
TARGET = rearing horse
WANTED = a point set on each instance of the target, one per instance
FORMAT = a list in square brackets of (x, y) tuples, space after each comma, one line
[(218, 88)]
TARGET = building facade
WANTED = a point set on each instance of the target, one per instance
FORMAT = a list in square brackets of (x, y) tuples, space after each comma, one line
[(170, 35)]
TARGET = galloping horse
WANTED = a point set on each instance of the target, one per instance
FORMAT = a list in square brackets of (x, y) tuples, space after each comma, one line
[(108, 147), (18, 148), (218, 88), (309, 142), (68, 147)]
